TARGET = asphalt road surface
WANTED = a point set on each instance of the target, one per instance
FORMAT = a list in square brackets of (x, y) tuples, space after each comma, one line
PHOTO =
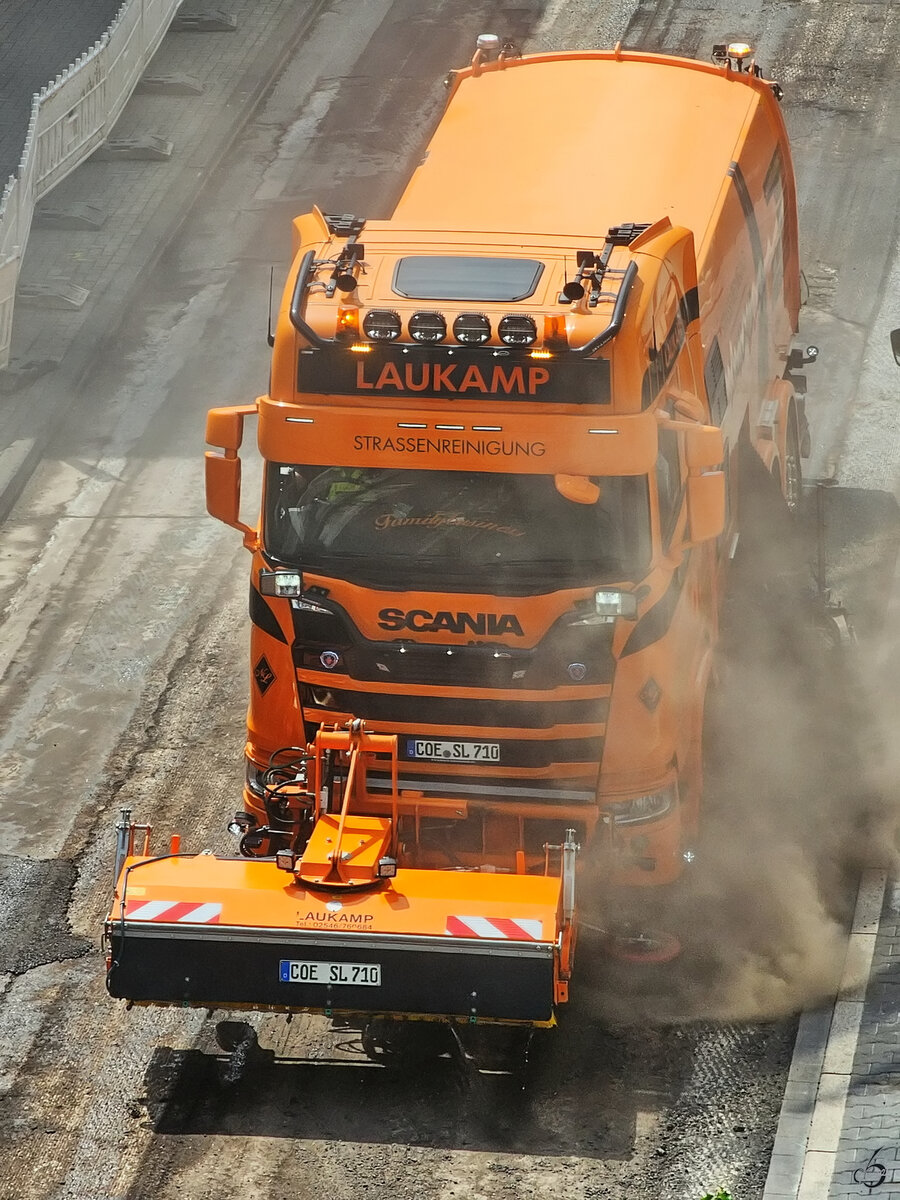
[(124, 681)]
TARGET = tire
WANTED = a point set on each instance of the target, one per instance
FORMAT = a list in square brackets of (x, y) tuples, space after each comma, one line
[(792, 473), (405, 1044), (231, 1034)]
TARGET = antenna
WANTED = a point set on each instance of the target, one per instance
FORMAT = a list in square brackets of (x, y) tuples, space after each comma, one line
[(270, 336)]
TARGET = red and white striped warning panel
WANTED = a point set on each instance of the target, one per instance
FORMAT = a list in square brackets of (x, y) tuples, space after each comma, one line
[(522, 929), (185, 912)]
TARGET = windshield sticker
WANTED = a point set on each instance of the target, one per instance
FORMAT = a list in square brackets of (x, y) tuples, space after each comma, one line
[(456, 520)]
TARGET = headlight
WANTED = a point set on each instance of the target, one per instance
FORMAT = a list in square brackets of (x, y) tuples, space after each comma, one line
[(613, 603), (609, 604), (280, 583), (642, 808)]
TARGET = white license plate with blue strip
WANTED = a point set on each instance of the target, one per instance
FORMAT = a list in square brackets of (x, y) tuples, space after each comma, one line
[(336, 974), (432, 750)]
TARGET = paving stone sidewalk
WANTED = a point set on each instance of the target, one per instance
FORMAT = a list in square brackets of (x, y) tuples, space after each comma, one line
[(838, 1136), (867, 1161)]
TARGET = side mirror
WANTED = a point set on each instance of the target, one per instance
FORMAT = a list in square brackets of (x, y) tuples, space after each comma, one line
[(223, 493), (577, 488), (706, 506), (686, 405), (704, 448), (225, 426), (895, 344), (225, 429)]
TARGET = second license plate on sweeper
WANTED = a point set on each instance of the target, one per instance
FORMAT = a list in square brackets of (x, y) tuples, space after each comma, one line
[(430, 750), (365, 974)]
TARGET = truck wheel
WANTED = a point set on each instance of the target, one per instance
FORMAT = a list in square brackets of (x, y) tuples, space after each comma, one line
[(232, 1034), (793, 469), (404, 1044)]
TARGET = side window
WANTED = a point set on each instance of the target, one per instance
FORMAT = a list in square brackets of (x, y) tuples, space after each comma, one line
[(666, 347), (684, 374), (773, 189), (669, 484), (714, 375)]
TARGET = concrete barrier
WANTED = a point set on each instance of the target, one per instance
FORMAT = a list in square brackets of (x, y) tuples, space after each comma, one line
[(70, 117)]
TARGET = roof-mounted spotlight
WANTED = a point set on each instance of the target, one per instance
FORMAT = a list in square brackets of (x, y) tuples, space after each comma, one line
[(381, 325), (515, 330), (427, 327), (471, 329)]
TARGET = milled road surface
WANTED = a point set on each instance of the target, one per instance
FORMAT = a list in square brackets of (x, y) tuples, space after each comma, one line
[(124, 654)]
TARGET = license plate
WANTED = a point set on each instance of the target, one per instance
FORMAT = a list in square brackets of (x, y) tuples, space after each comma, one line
[(434, 751), (361, 974)]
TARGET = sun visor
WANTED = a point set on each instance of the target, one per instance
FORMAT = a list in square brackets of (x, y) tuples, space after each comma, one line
[(513, 443)]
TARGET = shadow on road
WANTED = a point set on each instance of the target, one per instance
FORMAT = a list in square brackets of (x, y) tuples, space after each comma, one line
[(436, 1104)]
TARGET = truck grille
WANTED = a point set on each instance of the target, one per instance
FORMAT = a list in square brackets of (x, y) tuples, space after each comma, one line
[(419, 711)]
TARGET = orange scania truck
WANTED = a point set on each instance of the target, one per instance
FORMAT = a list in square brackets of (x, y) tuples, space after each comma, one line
[(501, 443)]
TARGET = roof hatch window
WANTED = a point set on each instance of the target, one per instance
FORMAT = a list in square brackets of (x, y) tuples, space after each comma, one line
[(440, 277)]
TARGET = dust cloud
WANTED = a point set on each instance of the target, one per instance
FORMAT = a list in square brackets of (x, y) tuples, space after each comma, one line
[(802, 767)]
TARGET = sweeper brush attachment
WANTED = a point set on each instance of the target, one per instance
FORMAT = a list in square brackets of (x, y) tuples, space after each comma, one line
[(338, 924)]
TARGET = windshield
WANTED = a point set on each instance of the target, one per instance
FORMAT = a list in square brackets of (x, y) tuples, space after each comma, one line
[(465, 531)]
